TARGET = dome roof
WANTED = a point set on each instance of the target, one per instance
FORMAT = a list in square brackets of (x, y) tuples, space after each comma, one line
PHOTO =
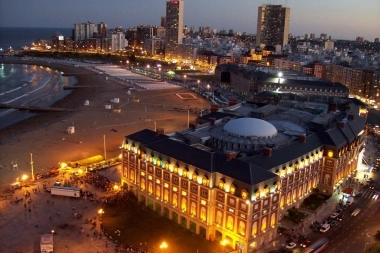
[(250, 127)]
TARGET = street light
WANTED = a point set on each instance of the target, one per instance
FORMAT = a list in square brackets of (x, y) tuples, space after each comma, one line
[(184, 78), (24, 177), (198, 81), (163, 246), (279, 77)]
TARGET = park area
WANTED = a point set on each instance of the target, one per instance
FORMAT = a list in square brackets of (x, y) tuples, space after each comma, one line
[(134, 224)]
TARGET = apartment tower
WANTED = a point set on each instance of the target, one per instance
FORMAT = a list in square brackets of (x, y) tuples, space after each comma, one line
[(272, 25), (174, 26)]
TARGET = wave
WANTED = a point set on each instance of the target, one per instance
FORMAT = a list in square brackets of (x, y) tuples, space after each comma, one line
[(27, 94)]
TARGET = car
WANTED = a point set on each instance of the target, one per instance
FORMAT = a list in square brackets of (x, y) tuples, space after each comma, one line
[(340, 216), (333, 223), (334, 215), (291, 245), (57, 183), (325, 227), (371, 186), (356, 212), (305, 243)]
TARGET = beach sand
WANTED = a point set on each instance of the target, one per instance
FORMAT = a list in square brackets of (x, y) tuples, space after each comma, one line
[(45, 137)]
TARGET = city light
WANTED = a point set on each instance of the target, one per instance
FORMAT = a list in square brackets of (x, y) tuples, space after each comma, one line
[(24, 177)]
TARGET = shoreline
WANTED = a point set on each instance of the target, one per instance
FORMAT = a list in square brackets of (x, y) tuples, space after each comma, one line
[(98, 131), (73, 98)]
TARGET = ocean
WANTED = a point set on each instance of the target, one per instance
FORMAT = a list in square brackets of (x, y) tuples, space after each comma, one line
[(18, 37), (32, 85)]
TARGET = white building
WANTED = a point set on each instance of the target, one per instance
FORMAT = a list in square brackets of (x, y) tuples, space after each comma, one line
[(118, 41)]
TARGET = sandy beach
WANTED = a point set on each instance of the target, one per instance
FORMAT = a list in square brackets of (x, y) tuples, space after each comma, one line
[(45, 137)]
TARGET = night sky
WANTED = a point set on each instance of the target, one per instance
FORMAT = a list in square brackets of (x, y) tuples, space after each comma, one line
[(342, 19)]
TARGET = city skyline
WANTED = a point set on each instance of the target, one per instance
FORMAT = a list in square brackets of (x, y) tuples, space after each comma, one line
[(312, 17)]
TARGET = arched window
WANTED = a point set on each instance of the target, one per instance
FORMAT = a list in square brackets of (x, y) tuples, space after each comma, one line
[(241, 228), (218, 218), (193, 209), (221, 184), (205, 181), (232, 189), (254, 228), (175, 200), (142, 185), (273, 219), (203, 213), (166, 195), (230, 223), (326, 179), (158, 191), (184, 204), (132, 175), (244, 194), (264, 224), (150, 186)]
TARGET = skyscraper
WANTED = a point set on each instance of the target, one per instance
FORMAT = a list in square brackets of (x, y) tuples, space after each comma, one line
[(174, 25), (272, 25)]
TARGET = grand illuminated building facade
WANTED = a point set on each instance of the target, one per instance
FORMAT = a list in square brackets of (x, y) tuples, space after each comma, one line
[(234, 177)]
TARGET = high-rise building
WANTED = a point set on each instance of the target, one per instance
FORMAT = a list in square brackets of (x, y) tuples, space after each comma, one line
[(174, 25), (272, 25), (102, 29)]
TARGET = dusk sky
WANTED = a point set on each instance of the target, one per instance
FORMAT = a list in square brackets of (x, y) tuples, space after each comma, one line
[(342, 19)]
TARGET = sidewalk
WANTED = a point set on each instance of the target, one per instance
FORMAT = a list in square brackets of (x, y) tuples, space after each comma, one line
[(321, 214)]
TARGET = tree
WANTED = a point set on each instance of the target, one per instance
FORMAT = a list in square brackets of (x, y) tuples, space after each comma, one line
[(377, 236)]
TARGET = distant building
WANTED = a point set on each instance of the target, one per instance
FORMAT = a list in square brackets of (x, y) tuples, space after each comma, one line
[(312, 36), (359, 39), (272, 25), (329, 45), (118, 41), (174, 26), (102, 29)]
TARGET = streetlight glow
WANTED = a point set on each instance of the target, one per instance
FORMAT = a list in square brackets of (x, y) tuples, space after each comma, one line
[(24, 177)]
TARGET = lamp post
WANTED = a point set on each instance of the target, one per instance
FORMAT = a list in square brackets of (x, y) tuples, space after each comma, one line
[(163, 246), (279, 77), (147, 66), (198, 81), (31, 166), (184, 79)]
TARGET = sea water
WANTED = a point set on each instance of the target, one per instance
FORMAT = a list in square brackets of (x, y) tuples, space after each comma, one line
[(29, 85)]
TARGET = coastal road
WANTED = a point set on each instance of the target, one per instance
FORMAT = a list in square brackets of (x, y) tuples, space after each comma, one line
[(352, 233)]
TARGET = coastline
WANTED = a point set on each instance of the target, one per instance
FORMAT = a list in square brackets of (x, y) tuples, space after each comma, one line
[(72, 100), (98, 131)]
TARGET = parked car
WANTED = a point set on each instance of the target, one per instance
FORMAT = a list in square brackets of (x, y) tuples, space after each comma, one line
[(340, 216), (291, 245), (305, 243), (333, 223), (325, 227), (334, 215)]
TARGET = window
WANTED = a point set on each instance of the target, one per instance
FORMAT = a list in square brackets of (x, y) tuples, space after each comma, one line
[(221, 185), (194, 189), (230, 223), (220, 197), (184, 184), (232, 189), (243, 206), (232, 201), (204, 193), (218, 218)]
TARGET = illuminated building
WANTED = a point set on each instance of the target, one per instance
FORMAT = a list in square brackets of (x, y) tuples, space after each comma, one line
[(272, 25), (234, 177), (174, 26)]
